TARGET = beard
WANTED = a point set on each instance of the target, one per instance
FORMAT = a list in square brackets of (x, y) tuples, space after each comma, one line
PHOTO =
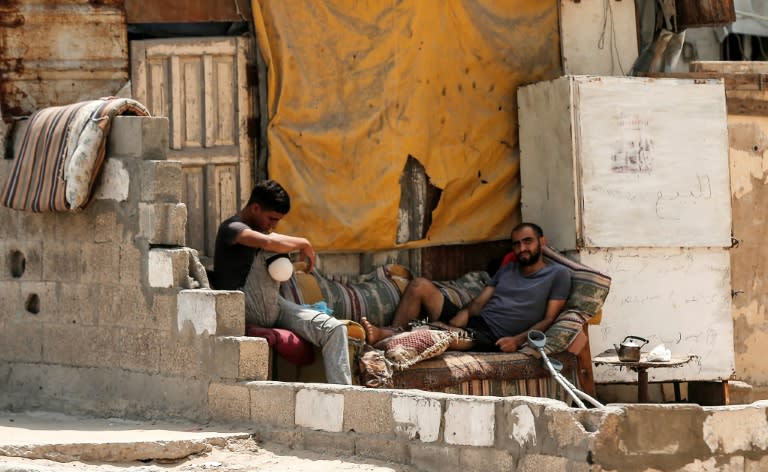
[(529, 258)]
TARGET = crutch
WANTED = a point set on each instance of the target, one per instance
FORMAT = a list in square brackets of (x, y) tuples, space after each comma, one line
[(538, 340)]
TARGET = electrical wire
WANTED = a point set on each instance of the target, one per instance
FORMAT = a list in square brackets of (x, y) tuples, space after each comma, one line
[(749, 14)]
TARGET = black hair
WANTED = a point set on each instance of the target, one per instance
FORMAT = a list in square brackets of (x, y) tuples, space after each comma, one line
[(536, 228), (270, 196)]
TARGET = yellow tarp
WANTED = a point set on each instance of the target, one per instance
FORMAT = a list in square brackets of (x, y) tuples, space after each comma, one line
[(355, 87)]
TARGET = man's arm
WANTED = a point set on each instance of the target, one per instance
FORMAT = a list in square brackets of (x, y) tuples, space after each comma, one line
[(513, 343), (473, 307), (276, 242)]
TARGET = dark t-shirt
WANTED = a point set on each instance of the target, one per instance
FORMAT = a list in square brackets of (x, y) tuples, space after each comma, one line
[(519, 301), (232, 261)]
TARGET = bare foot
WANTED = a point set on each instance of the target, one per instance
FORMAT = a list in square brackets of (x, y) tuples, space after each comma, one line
[(374, 334)]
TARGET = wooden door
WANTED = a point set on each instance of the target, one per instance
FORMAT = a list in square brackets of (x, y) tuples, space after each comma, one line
[(200, 85)]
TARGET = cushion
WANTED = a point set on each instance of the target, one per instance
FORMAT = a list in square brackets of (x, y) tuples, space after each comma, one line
[(374, 295), (462, 290), (286, 343), (589, 289), (405, 349)]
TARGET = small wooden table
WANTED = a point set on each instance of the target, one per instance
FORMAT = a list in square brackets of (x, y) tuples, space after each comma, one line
[(609, 357)]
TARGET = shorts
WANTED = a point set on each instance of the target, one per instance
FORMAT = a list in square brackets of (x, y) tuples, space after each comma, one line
[(483, 339)]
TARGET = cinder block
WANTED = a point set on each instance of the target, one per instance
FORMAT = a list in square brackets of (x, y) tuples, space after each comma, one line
[(10, 228), (72, 227), (139, 349), (21, 342), (39, 300), (138, 137), (737, 429), (114, 183), (756, 465), (130, 307), (10, 300), (368, 411), (100, 263), (478, 432), (273, 403), (417, 417), (63, 344), (106, 227), (328, 443), (77, 304), (229, 402), (213, 311), (161, 181), (538, 462), (168, 267), (242, 358), (131, 264), (383, 449), (437, 457), (161, 312), (34, 226), (320, 410), (186, 356), (23, 260), (478, 458), (163, 223), (62, 261)]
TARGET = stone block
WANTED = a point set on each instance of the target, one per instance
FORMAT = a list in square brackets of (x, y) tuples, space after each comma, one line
[(479, 431), (72, 227), (737, 429), (383, 449), (740, 392), (212, 311), (241, 358), (21, 341), (328, 443), (64, 344), (320, 410), (161, 181), (368, 411), (39, 300), (756, 465), (162, 311), (416, 417), (437, 457), (34, 226), (229, 402), (106, 227), (163, 223), (138, 137), (291, 439), (273, 403), (114, 182), (62, 261), (9, 230), (187, 356)]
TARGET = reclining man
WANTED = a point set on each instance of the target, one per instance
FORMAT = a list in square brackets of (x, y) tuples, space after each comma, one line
[(524, 295), (240, 264)]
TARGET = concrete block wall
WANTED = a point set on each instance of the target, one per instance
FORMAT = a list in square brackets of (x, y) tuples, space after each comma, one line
[(432, 431), (101, 310)]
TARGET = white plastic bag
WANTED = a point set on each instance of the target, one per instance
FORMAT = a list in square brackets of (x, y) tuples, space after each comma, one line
[(660, 354)]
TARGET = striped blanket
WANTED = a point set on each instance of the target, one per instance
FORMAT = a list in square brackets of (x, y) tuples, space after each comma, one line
[(60, 156)]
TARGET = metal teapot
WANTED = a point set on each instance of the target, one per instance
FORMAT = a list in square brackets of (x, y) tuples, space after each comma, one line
[(629, 350)]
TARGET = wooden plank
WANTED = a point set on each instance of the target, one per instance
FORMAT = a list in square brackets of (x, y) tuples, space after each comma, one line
[(176, 123), (208, 100), (704, 12), (247, 106), (186, 11), (192, 106), (730, 67), (450, 262), (193, 198)]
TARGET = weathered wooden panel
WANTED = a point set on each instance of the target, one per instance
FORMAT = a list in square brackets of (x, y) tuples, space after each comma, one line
[(200, 85), (450, 262), (54, 53), (692, 13), (186, 11)]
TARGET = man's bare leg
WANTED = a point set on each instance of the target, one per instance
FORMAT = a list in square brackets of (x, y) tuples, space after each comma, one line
[(420, 296)]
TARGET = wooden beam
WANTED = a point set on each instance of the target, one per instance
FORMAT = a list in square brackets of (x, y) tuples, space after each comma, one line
[(704, 12)]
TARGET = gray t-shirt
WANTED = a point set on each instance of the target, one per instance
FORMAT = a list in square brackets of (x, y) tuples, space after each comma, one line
[(520, 301)]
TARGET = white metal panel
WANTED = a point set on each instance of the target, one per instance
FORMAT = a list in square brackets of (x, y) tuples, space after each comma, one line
[(653, 156), (677, 296), (547, 173)]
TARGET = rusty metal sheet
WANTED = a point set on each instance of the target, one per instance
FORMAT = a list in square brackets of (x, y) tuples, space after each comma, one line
[(55, 52), (186, 11)]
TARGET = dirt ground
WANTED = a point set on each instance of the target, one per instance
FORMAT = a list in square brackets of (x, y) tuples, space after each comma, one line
[(238, 455)]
